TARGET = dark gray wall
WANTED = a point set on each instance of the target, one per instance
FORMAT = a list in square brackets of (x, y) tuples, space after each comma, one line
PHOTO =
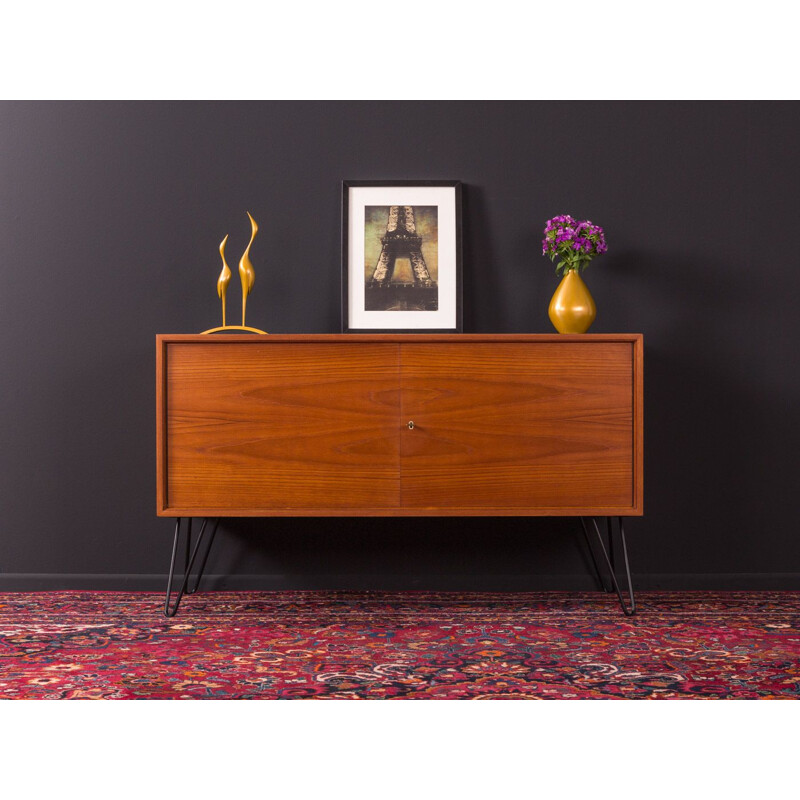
[(110, 217)]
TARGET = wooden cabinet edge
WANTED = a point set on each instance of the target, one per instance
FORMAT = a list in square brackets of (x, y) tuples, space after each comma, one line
[(560, 511), (161, 416), (321, 338), (638, 423)]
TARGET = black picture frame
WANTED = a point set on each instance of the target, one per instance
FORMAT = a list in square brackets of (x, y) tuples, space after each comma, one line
[(355, 317)]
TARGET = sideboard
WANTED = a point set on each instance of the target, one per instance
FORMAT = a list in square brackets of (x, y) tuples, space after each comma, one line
[(398, 425)]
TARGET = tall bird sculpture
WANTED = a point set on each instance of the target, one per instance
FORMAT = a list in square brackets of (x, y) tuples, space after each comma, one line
[(246, 271), (224, 277)]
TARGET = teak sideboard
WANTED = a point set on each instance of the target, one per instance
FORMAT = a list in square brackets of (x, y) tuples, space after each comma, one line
[(399, 425)]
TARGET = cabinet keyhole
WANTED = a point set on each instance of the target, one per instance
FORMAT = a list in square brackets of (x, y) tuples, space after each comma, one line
[(411, 425)]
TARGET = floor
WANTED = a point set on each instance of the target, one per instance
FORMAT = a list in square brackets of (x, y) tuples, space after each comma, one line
[(399, 645)]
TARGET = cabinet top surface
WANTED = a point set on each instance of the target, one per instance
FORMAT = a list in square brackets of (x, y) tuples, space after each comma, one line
[(397, 337)]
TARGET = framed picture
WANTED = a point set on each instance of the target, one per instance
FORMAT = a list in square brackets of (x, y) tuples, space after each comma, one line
[(401, 256)]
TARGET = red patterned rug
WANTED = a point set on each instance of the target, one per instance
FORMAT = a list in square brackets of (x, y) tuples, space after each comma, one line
[(395, 645)]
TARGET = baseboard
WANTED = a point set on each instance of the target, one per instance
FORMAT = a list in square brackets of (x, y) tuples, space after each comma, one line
[(744, 581)]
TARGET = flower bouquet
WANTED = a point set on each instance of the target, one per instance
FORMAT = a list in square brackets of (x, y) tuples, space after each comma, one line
[(575, 243)]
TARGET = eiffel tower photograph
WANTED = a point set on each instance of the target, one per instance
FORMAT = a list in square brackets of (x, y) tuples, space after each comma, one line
[(401, 258)]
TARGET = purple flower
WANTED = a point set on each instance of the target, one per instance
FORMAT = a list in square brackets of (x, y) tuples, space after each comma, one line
[(574, 243)]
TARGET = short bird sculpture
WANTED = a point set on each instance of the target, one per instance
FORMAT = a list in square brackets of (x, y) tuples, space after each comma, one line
[(246, 271), (224, 277)]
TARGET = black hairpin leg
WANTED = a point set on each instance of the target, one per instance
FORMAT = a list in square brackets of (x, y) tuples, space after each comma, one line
[(608, 556), (597, 572), (189, 560)]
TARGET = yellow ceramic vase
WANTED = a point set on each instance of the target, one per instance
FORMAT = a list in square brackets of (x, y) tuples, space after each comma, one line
[(572, 309)]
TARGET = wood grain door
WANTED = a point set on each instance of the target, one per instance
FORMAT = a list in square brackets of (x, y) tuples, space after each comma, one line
[(303, 428), (513, 428)]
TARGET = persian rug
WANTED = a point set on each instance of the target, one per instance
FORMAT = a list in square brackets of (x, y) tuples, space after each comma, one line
[(399, 645)]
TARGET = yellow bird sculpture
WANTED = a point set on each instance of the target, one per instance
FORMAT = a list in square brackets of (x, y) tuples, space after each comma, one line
[(224, 277), (248, 276), (246, 271)]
